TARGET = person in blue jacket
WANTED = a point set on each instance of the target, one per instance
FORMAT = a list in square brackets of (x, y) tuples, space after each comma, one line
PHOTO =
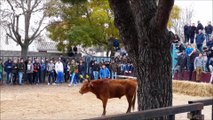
[(199, 40), (104, 72), (8, 70)]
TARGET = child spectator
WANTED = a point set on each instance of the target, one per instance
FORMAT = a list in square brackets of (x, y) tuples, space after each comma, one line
[(104, 72), (199, 66)]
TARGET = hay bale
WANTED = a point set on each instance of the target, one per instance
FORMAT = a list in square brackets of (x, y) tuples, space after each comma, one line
[(193, 88)]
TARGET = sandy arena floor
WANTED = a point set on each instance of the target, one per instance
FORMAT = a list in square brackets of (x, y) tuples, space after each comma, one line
[(63, 102)]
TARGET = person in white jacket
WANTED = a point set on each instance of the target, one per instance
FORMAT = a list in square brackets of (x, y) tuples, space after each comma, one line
[(59, 68)]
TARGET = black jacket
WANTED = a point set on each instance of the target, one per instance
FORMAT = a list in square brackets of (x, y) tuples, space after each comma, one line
[(208, 29)]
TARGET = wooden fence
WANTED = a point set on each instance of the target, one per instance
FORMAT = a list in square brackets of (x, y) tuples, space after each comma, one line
[(194, 108)]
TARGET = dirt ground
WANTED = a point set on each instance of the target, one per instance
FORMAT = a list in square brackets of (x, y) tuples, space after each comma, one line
[(63, 102)]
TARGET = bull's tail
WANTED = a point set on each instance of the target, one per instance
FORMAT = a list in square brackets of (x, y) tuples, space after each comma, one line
[(133, 100)]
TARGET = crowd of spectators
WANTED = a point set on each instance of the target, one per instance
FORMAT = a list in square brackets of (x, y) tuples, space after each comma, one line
[(62, 70), (195, 52)]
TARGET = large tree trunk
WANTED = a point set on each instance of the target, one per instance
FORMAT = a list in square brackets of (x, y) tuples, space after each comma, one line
[(142, 26), (24, 51)]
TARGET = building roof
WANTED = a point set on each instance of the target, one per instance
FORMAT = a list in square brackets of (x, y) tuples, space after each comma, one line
[(47, 46)]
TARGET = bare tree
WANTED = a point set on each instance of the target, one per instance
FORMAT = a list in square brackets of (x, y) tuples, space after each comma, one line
[(185, 18), (24, 20)]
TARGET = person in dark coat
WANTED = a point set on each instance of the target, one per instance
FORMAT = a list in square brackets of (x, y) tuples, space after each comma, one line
[(14, 72), (186, 33), (199, 40), (208, 31), (181, 64), (192, 33), (8, 70), (199, 27), (21, 68)]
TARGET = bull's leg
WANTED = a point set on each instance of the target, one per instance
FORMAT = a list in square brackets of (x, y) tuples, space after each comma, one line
[(129, 99), (104, 101)]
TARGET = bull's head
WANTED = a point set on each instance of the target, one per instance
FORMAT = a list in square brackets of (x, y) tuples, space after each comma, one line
[(86, 87)]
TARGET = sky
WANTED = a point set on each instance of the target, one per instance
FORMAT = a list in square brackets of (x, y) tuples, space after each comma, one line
[(203, 9)]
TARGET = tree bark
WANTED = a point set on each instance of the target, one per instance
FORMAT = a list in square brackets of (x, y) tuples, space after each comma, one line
[(24, 51), (142, 26)]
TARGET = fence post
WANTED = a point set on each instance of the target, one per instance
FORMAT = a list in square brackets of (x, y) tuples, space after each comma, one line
[(195, 115)]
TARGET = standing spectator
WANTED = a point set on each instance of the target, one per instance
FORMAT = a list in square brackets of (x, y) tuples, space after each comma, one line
[(14, 72), (59, 68), (211, 70), (21, 68), (66, 71), (199, 40), (36, 69), (1, 71), (74, 72), (181, 64), (209, 44), (51, 72), (29, 71), (95, 69), (199, 66), (199, 27), (43, 71), (8, 70), (189, 50), (192, 33), (114, 69), (104, 72), (176, 39), (186, 33), (192, 57), (208, 31), (209, 54), (81, 69)]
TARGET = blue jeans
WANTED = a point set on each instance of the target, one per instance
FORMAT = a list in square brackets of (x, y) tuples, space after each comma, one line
[(73, 79), (29, 77), (200, 47), (208, 37), (35, 77), (51, 75), (20, 76), (59, 77), (95, 74), (114, 75), (8, 77)]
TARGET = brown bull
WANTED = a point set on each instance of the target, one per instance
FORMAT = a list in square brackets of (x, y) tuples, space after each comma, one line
[(105, 89)]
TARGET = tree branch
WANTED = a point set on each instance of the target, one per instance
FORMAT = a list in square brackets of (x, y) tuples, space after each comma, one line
[(163, 12), (125, 22), (38, 28)]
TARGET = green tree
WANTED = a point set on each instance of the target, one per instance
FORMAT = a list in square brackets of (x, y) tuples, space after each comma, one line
[(84, 23), (175, 15)]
